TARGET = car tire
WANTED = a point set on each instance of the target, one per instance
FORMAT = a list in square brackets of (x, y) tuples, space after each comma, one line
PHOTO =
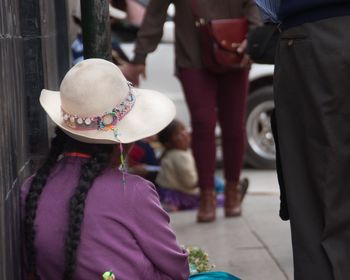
[(260, 148)]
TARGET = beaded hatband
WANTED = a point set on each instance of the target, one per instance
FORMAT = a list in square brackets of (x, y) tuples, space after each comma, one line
[(107, 121)]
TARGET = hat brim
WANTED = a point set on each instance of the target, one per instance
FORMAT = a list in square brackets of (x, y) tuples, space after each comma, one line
[(151, 113)]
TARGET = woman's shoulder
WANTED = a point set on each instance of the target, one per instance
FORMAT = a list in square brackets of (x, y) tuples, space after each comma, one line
[(124, 194)]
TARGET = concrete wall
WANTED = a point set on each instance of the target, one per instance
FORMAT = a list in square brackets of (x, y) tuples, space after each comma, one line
[(14, 160)]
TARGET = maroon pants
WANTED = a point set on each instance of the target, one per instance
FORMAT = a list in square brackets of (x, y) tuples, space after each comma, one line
[(211, 97)]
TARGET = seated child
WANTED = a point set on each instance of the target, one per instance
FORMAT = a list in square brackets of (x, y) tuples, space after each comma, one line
[(177, 179)]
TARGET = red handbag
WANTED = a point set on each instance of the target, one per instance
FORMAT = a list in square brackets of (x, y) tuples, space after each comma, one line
[(219, 41)]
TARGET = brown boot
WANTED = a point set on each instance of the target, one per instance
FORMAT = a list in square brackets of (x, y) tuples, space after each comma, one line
[(232, 204), (243, 184), (207, 206)]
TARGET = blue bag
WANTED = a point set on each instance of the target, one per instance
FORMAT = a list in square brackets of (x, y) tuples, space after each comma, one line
[(219, 275)]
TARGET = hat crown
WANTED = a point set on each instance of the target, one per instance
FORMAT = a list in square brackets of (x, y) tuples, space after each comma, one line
[(93, 87)]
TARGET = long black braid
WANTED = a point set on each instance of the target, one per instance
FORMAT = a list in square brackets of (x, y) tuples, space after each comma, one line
[(38, 183), (90, 170)]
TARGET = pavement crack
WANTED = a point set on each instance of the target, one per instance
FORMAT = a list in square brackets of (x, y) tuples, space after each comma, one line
[(269, 252)]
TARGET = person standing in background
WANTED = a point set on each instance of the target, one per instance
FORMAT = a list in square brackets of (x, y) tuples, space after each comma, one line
[(312, 118), (210, 96)]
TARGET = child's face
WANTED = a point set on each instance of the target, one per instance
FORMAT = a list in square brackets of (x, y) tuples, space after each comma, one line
[(181, 138)]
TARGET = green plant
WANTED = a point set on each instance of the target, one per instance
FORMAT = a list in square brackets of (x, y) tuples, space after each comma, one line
[(198, 260)]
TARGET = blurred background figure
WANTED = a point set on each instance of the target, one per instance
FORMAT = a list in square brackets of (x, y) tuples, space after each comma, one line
[(210, 96), (136, 10), (77, 48), (177, 179), (126, 29)]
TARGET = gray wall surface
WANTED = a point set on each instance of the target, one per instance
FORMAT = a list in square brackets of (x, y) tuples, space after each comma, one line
[(33, 55), (14, 161)]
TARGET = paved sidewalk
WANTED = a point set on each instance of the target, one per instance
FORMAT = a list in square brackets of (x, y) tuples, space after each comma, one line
[(255, 246)]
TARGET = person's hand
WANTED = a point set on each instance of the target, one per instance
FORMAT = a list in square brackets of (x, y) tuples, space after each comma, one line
[(242, 47), (132, 72), (246, 61)]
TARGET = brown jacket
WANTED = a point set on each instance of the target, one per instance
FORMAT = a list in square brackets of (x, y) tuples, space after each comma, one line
[(187, 43)]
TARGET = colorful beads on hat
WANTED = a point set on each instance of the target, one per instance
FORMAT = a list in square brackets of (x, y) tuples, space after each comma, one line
[(131, 97), (87, 121), (108, 118), (71, 124), (116, 133), (107, 121)]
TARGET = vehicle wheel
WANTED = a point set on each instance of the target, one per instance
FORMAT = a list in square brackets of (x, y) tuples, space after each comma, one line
[(260, 152)]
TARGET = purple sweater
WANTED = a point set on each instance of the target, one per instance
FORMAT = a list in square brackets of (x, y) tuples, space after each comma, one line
[(124, 229)]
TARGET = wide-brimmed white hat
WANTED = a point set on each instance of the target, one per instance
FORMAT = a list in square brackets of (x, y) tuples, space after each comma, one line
[(96, 104)]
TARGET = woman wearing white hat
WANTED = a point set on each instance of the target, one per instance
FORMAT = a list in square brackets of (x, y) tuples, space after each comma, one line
[(82, 216)]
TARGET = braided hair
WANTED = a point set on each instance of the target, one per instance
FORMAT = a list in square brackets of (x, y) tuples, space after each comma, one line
[(101, 155), (90, 170)]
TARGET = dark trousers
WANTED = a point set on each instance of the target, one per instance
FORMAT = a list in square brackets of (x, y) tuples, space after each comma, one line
[(211, 97), (312, 98)]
